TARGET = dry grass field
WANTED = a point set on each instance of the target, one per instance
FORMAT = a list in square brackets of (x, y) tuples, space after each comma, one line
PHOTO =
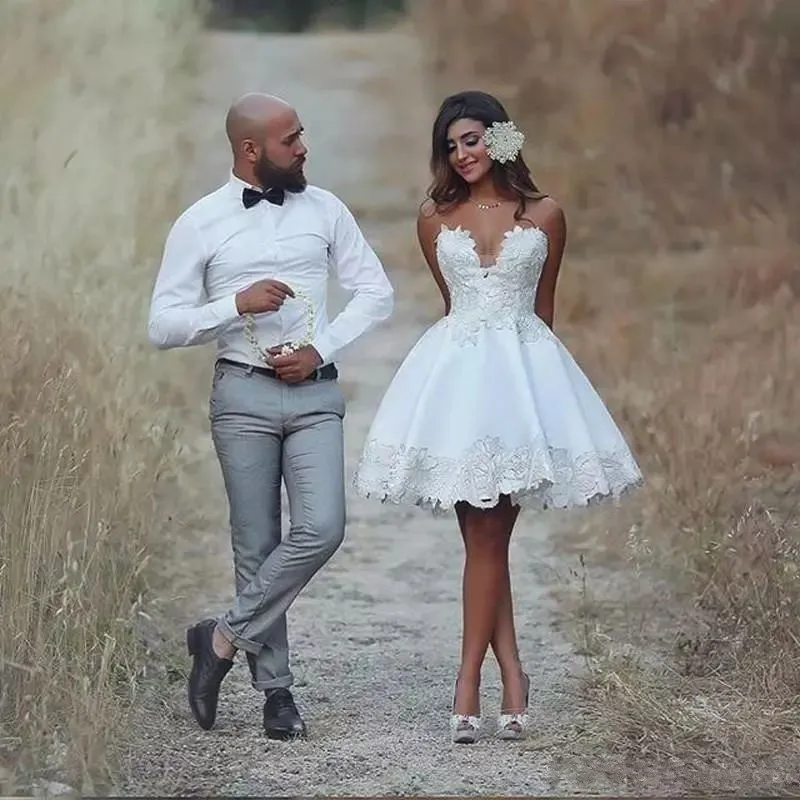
[(669, 132), (667, 129), (93, 96), (668, 122)]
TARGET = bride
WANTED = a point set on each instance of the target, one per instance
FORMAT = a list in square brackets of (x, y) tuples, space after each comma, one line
[(489, 413)]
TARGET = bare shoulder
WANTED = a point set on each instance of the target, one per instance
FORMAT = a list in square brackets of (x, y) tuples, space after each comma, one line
[(428, 209), (551, 216), (429, 220)]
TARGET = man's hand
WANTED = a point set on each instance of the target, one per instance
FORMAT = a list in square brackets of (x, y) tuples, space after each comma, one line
[(297, 366), (261, 296)]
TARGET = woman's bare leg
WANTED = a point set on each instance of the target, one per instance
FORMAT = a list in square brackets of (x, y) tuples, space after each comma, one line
[(486, 536), (504, 639)]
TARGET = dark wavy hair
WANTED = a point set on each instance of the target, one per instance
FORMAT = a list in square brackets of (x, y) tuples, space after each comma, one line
[(448, 188)]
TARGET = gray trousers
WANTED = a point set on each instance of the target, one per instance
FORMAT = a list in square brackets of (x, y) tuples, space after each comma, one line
[(265, 431)]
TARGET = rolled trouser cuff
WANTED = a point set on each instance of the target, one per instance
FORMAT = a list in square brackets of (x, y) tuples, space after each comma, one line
[(239, 642), (283, 682)]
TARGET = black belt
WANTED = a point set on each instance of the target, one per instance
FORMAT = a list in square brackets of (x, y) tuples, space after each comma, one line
[(328, 372)]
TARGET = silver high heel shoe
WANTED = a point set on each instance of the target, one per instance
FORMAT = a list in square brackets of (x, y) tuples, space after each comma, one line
[(464, 728), (515, 725)]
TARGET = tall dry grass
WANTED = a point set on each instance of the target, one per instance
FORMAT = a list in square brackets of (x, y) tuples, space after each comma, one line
[(668, 130), (93, 97), (675, 120), (703, 685)]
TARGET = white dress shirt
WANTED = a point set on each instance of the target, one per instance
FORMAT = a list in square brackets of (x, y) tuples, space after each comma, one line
[(218, 247)]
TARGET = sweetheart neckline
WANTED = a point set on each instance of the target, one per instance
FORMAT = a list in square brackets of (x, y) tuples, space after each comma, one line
[(506, 236)]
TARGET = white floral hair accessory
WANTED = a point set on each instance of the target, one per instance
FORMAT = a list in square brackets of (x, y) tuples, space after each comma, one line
[(503, 141)]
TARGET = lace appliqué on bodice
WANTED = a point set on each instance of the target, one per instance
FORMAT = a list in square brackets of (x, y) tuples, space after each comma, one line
[(498, 297)]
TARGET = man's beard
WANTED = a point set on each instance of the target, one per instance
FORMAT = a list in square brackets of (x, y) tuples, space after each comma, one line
[(272, 177)]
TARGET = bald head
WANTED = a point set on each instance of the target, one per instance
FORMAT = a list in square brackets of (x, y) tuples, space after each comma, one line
[(266, 141), (252, 116)]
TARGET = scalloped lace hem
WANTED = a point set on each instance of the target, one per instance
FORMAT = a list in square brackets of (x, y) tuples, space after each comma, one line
[(534, 477)]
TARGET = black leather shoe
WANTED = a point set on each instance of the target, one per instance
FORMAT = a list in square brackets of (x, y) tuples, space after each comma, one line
[(208, 671), (282, 720)]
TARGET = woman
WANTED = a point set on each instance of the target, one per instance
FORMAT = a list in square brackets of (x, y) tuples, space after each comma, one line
[(489, 413)]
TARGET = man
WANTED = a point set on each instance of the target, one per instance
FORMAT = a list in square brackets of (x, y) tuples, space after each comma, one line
[(247, 266)]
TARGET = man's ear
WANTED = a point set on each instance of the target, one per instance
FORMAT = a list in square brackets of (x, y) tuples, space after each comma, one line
[(249, 150)]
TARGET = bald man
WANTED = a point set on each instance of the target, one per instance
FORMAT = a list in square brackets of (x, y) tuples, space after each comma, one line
[(247, 267)]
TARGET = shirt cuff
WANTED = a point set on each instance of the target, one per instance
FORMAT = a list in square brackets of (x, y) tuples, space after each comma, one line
[(223, 311), (323, 346)]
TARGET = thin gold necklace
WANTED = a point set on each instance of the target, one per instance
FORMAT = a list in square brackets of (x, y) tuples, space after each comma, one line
[(486, 206)]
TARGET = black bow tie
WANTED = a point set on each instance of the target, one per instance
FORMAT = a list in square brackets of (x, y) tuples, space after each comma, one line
[(252, 196)]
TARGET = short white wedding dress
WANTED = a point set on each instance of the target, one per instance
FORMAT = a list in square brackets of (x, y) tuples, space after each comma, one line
[(488, 402)]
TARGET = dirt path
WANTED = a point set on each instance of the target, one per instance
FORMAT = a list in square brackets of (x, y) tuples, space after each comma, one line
[(375, 635)]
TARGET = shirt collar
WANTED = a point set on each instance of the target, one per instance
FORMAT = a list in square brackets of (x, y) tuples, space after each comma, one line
[(238, 185)]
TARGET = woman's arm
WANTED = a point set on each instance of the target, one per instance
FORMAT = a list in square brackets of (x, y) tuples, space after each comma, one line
[(555, 226), (428, 225)]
